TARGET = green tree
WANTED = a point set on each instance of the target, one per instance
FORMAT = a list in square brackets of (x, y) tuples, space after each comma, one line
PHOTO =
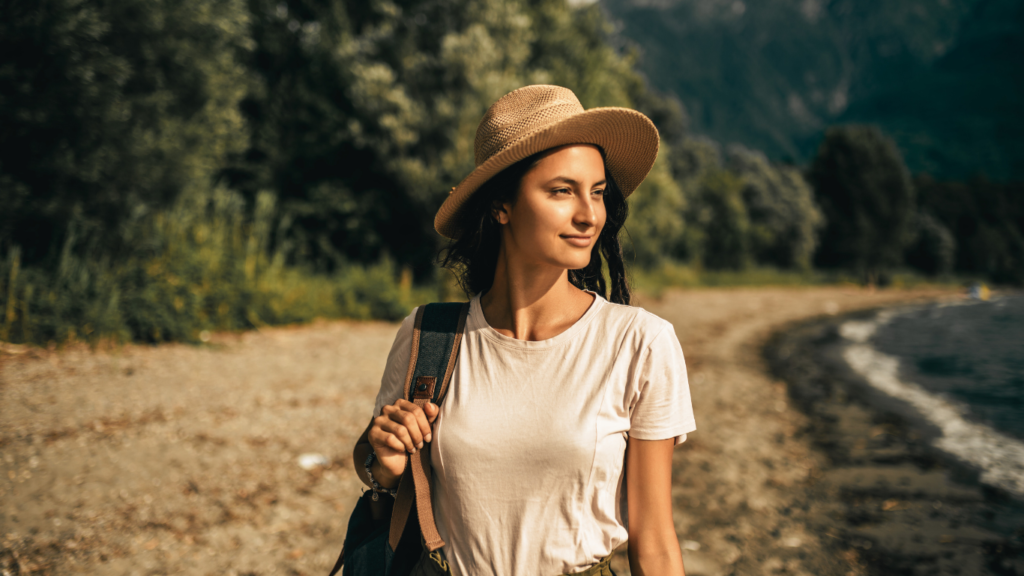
[(784, 219), (694, 156), (655, 230), (721, 239), (111, 109), (366, 112), (986, 222), (933, 247), (867, 198)]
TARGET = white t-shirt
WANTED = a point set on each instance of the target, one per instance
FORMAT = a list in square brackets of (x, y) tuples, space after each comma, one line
[(528, 450)]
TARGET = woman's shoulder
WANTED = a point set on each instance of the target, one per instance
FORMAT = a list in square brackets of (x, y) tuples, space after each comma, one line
[(632, 320), (405, 329)]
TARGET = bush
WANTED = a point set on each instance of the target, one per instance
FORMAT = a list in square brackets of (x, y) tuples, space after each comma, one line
[(202, 265)]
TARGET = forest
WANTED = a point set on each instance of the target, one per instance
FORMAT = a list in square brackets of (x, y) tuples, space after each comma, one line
[(168, 168), (937, 77)]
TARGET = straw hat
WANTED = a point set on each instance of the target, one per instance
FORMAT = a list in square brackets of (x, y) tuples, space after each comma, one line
[(535, 118)]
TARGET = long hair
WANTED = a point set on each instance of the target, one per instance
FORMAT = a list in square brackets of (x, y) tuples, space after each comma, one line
[(473, 256)]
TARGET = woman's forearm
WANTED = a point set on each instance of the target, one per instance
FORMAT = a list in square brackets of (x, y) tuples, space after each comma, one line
[(646, 561)]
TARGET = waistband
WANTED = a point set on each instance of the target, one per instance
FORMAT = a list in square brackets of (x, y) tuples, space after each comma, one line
[(435, 564), (602, 568)]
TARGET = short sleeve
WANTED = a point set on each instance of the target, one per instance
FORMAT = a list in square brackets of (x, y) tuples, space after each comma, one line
[(392, 384), (662, 407)]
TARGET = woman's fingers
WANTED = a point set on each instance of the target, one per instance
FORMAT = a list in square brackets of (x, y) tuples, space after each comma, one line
[(415, 419), (408, 422), (380, 438), (400, 431), (395, 444), (431, 410), (404, 426)]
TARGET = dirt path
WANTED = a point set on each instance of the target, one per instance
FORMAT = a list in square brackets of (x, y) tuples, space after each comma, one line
[(183, 459)]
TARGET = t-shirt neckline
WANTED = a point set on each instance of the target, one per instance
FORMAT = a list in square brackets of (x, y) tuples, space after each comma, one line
[(477, 321)]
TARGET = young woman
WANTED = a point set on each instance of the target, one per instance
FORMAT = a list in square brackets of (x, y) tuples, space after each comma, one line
[(554, 445)]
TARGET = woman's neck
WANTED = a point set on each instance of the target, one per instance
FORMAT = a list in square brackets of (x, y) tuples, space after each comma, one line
[(528, 301)]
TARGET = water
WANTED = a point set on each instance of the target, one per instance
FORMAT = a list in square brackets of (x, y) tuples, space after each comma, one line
[(971, 353), (961, 366)]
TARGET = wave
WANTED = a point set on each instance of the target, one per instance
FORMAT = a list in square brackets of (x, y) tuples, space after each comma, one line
[(999, 457)]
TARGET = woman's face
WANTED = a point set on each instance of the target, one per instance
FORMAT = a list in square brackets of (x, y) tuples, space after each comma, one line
[(559, 211)]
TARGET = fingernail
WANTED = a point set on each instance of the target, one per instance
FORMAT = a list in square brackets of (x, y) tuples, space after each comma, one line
[(413, 451), (427, 437), (420, 445)]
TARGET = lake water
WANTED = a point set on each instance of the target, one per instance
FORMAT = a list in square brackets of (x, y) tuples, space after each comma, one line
[(960, 365), (971, 353)]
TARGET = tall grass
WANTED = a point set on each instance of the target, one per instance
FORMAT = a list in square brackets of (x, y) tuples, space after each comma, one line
[(675, 275), (203, 264)]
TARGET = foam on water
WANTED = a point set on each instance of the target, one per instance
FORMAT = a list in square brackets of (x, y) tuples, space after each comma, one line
[(1000, 457)]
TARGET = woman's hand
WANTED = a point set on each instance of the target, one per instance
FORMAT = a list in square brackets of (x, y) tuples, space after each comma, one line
[(401, 429)]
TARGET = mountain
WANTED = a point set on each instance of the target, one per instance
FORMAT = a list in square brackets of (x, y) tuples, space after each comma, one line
[(944, 78)]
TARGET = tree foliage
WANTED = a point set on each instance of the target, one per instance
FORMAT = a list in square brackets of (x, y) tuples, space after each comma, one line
[(169, 167), (985, 224), (656, 227), (937, 77), (110, 109), (366, 111), (743, 210), (867, 198), (933, 248), (723, 223), (784, 219)]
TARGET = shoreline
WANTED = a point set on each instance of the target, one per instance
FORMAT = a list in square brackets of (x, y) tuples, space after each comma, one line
[(906, 506)]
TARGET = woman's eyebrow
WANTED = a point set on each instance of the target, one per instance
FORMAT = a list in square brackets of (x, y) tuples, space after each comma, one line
[(572, 181)]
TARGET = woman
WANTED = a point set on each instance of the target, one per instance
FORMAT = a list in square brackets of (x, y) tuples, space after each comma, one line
[(559, 396)]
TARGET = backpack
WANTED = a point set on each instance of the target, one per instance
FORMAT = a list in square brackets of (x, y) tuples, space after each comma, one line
[(381, 540)]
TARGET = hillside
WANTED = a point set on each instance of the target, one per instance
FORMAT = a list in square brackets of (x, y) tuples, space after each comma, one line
[(943, 78)]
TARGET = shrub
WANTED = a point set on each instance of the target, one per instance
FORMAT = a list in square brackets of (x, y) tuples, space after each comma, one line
[(201, 265)]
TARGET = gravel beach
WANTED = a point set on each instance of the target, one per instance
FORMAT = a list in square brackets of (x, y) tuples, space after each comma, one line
[(903, 505), (234, 457)]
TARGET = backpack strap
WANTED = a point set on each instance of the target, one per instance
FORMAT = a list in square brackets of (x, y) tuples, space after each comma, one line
[(436, 336)]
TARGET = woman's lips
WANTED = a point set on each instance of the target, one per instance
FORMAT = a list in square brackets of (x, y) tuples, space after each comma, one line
[(580, 241)]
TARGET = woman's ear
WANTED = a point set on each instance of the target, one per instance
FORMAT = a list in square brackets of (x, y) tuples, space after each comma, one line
[(499, 213)]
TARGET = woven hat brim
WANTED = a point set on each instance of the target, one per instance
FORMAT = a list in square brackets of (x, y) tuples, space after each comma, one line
[(628, 138)]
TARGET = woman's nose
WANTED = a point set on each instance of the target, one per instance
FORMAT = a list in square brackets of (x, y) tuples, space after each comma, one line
[(586, 212)]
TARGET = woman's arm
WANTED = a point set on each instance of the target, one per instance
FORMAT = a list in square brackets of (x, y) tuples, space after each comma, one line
[(653, 544)]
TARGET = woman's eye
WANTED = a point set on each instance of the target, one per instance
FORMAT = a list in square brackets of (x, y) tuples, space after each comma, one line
[(562, 191), (599, 192)]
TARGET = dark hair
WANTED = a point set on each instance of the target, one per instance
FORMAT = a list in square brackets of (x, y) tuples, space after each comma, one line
[(473, 256)]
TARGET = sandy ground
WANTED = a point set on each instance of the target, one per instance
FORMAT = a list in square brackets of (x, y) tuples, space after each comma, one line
[(184, 459)]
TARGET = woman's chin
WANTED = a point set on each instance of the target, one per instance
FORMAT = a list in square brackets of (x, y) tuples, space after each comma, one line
[(575, 263)]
